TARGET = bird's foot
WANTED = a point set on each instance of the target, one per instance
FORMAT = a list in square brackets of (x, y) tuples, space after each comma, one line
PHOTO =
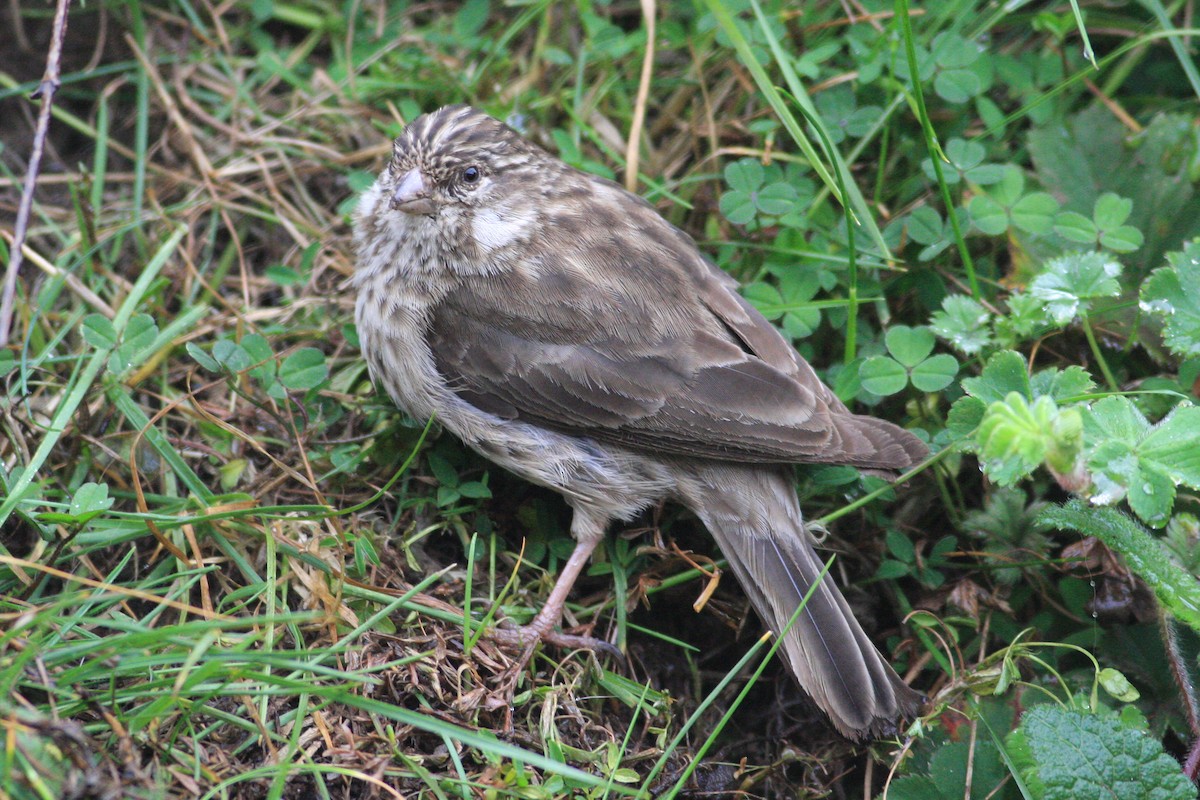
[(527, 637)]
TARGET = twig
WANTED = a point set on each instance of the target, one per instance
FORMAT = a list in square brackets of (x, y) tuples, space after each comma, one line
[(49, 86), (639, 109)]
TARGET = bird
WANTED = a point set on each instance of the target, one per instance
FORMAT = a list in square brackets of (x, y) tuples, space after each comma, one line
[(559, 326)]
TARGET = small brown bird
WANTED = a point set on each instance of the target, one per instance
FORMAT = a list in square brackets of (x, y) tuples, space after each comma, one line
[(563, 329)]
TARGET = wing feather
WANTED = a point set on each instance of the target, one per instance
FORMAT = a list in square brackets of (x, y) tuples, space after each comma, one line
[(650, 348)]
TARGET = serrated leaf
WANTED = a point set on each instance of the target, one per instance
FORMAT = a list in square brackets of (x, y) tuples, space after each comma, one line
[(1067, 283), (964, 418), (1135, 461), (1066, 384), (1174, 444), (1014, 437), (1173, 295), (304, 369), (883, 376), (963, 322), (1116, 418), (935, 373), (1146, 555), (1003, 373), (1078, 754)]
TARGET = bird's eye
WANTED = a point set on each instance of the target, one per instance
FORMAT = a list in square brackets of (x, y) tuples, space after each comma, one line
[(470, 175)]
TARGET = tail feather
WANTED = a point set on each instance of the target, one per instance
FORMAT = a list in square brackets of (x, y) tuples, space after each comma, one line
[(755, 518)]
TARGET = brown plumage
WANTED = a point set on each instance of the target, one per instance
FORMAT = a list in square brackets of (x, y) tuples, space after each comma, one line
[(558, 325)]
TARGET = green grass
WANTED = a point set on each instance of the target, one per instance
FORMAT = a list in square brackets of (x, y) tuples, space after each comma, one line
[(229, 568)]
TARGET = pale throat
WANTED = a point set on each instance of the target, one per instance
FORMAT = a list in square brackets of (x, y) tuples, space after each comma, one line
[(499, 226)]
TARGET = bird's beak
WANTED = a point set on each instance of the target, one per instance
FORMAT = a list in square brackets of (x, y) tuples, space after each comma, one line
[(411, 195)]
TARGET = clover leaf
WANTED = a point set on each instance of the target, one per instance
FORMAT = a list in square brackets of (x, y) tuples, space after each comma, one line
[(1005, 205), (910, 361), (1106, 227)]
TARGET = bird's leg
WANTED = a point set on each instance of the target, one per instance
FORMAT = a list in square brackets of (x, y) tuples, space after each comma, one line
[(588, 532)]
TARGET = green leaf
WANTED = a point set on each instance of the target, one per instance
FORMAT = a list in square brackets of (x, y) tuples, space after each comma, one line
[(1174, 444), (262, 358), (1111, 211), (963, 322), (909, 346), (99, 332), (745, 175), (202, 358), (1124, 239), (1172, 294), (1076, 227), (988, 215), (957, 85), (1118, 419), (1067, 283), (766, 298), (1014, 437), (475, 490), (883, 376), (964, 418), (1035, 213), (1004, 372), (1077, 754), (1177, 589), (231, 356), (139, 333), (304, 369), (283, 276), (1063, 385), (470, 18), (1132, 459), (1118, 686), (443, 470), (776, 199), (925, 225), (738, 207), (935, 373)]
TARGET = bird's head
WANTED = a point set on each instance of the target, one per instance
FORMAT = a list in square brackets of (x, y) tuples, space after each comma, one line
[(459, 178)]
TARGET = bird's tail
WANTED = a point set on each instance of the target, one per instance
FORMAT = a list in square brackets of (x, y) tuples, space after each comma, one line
[(755, 517)]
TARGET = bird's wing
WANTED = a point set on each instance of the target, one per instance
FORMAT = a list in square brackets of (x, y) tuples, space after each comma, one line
[(651, 349)]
